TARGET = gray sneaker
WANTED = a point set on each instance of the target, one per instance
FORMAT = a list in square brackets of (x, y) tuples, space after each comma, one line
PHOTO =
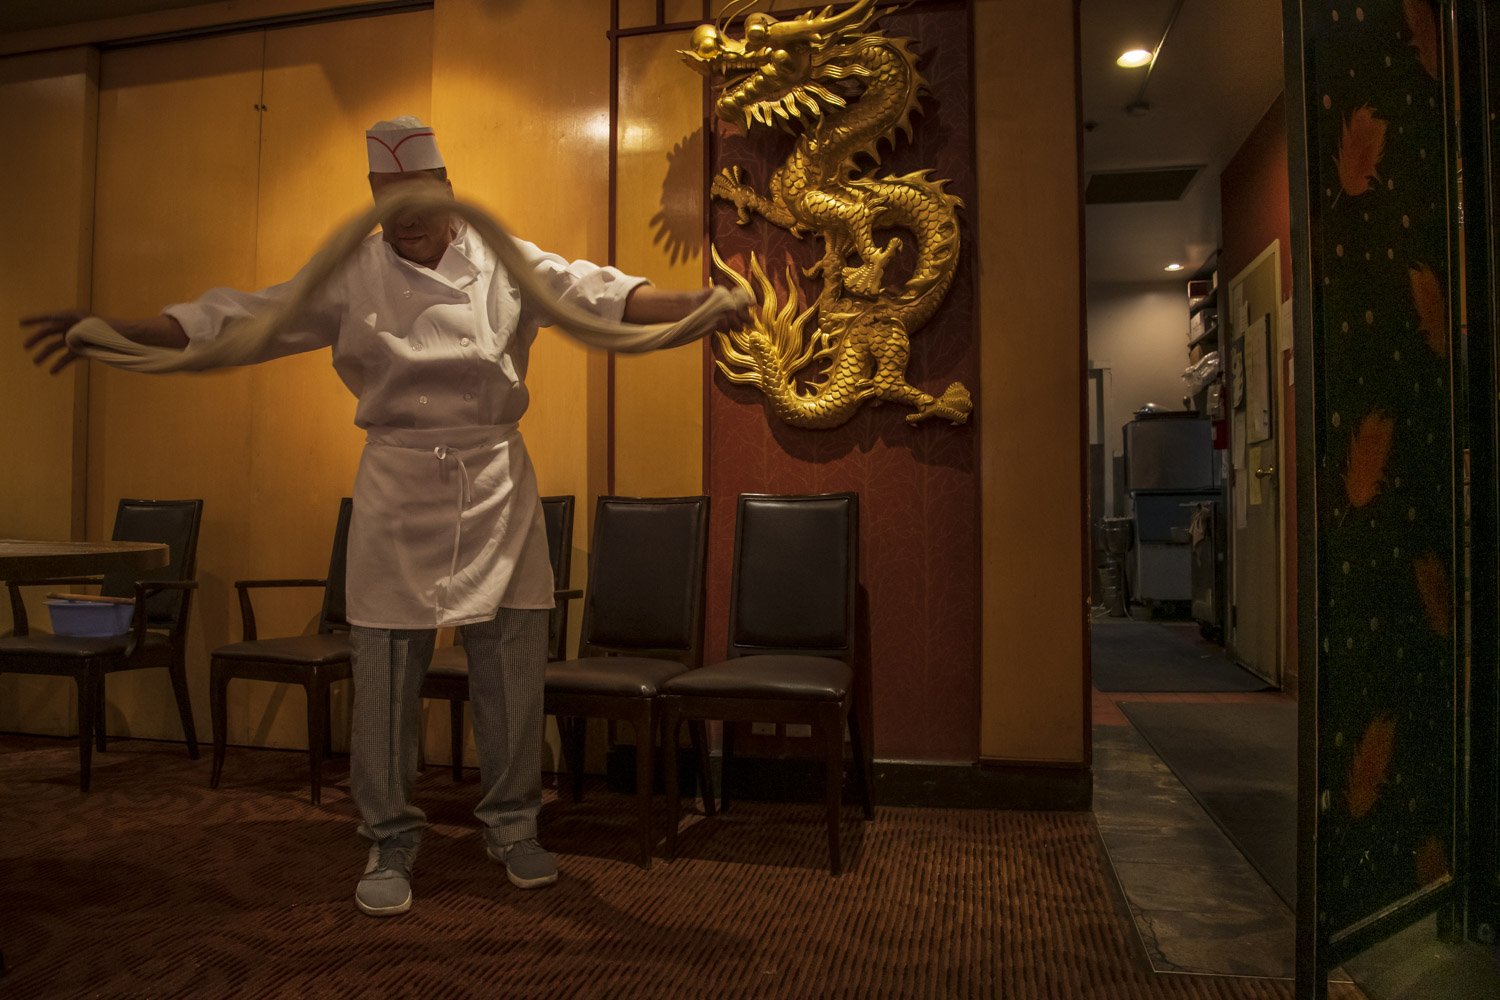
[(385, 888), (528, 864)]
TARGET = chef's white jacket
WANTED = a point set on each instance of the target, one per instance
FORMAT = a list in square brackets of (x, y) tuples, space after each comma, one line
[(447, 525)]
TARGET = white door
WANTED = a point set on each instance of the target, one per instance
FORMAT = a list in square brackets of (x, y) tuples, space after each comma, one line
[(1255, 480)]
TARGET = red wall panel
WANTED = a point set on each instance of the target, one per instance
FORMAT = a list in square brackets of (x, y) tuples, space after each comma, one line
[(918, 485)]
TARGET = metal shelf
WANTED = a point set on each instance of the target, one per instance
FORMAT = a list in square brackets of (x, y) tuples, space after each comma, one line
[(1211, 332)]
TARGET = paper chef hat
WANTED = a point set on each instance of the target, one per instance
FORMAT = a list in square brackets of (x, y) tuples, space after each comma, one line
[(402, 145)]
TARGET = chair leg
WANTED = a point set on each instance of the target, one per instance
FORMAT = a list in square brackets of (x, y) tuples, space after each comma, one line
[(456, 736), (724, 764), (643, 721), (327, 721), (90, 680), (317, 734), (671, 710), (831, 728), (178, 672), (578, 750), (698, 732), (862, 770), (218, 711)]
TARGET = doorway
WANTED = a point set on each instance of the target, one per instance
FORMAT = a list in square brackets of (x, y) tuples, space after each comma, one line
[(1188, 236)]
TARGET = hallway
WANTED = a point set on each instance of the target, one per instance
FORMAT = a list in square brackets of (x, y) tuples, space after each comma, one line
[(1198, 904)]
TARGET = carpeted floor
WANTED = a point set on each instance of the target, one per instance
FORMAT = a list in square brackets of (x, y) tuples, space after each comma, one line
[(1240, 762), (1150, 656), (154, 886)]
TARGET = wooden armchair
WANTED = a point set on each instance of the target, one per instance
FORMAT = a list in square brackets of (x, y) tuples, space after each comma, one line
[(315, 661), (158, 628)]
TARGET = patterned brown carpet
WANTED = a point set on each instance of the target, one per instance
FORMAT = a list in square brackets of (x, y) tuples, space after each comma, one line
[(155, 886)]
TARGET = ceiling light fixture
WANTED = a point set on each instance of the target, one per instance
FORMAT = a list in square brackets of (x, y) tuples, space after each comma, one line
[(1134, 58), (1140, 105), (1172, 267)]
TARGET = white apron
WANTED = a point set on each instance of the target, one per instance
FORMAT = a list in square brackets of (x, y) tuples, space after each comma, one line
[(447, 528)]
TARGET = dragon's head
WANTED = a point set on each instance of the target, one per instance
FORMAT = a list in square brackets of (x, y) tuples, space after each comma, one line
[(776, 71)]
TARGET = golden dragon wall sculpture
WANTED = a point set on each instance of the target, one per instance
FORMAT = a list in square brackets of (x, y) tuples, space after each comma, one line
[(845, 89)]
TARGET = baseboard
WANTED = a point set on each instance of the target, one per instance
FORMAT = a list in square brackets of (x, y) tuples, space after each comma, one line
[(920, 784)]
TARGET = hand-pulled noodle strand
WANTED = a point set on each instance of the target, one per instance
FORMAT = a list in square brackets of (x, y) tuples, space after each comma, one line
[(242, 341)]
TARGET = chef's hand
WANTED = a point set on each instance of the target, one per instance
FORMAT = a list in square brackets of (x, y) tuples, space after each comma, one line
[(737, 318), (47, 337), (49, 334)]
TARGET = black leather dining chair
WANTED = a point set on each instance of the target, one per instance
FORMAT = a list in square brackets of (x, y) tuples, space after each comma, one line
[(315, 662), (158, 628), (791, 644), (642, 624), (448, 675)]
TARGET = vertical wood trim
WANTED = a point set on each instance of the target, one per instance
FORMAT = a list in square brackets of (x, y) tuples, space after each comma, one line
[(1085, 515), (614, 212), (78, 496)]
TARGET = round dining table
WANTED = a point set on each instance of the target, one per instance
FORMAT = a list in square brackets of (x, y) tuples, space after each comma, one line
[(29, 559)]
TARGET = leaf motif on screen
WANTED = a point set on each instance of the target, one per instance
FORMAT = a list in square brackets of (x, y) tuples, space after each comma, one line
[(1360, 150), (1422, 23), (1432, 861), (1369, 449), (1431, 301), (1371, 764), (1433, 588)]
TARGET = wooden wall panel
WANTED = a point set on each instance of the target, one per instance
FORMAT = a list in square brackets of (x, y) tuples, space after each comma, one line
[(658, 437), (637, 13), (49, 103), (1030, 399), (689, 10), (177, 188), (520, 101), (244, 200), (319, 97)]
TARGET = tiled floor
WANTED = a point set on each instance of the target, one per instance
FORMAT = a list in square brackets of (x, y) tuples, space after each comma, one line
[(1198, 905)]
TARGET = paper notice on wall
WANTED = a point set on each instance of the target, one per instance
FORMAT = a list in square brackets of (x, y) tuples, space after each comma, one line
[(1241, 505), (1237, 441), (1284, 326), (1252, 478)]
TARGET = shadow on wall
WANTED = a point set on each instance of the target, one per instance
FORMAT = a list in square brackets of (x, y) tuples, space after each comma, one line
[(677, 227)]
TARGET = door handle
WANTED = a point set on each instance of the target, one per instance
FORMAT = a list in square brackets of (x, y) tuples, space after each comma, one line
[(1266, 472)]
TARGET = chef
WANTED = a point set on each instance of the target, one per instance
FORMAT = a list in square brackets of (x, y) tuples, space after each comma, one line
[(431, 335)]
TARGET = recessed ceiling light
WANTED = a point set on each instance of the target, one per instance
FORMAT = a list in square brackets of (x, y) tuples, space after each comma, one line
[(1134, 58), (1172, 267)]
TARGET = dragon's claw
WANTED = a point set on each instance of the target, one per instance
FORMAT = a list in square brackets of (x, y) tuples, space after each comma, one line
[(954, 406)]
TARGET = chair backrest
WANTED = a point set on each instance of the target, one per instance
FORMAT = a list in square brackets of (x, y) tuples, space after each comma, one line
[(334, 616), (796, 566), (176, 523), (557, 512), (646, 571)]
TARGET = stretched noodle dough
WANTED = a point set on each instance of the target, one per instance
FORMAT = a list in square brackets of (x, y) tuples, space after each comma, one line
[(242, 340)]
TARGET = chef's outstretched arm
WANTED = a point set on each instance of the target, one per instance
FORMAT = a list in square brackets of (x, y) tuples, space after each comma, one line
[(648, 304), (46, 335)]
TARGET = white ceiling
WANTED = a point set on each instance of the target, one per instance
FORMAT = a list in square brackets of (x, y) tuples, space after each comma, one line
[(1218, 73)]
